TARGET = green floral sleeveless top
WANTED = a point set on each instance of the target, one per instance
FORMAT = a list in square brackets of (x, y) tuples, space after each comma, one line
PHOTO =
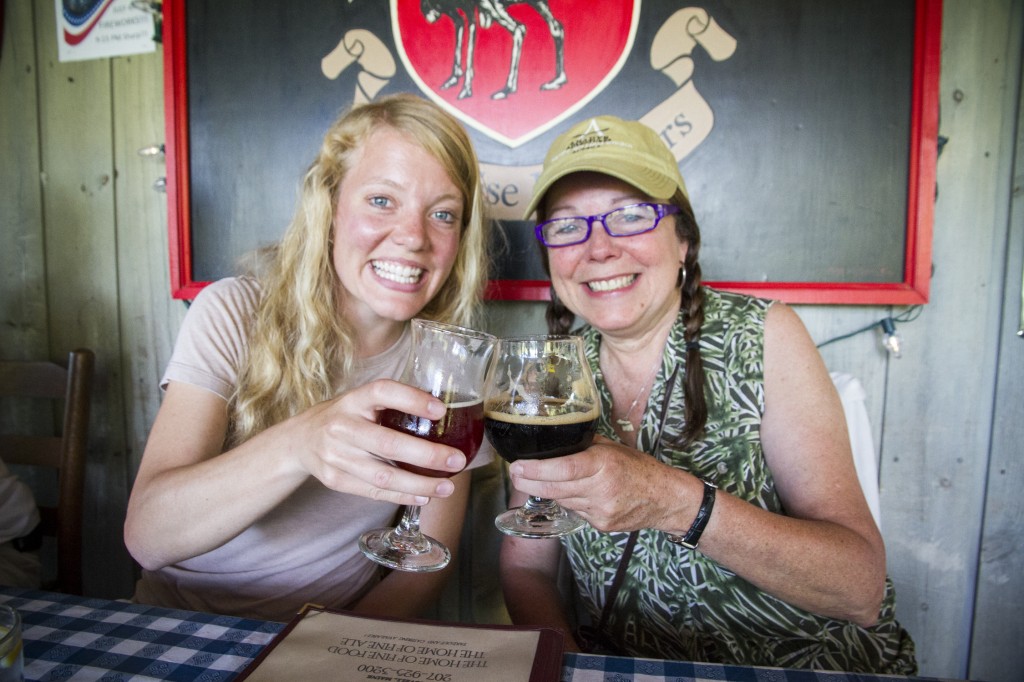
[(676, 603)]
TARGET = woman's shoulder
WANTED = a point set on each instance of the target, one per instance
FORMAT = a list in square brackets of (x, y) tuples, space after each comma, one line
[(220, 315), (734, 327), (731, 305), (239, 288), (237, 294)]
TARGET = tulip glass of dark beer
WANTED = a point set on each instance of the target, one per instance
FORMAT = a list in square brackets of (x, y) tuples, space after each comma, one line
[(540, 402), (449, 362)]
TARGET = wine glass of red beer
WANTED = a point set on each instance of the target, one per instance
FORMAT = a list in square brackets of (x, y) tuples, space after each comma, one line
[(540, 402), (449, 362)]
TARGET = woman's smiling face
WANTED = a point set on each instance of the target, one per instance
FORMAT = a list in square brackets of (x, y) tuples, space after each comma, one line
[(617, 284), (397, 227)]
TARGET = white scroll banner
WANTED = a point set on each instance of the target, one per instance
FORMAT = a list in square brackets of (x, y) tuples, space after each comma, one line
[(370, 54)]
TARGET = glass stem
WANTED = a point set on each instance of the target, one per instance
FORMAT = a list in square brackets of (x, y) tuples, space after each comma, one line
[(538, 506), (409, 526)]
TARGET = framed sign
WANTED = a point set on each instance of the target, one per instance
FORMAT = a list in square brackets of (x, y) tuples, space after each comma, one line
[(806, 131)]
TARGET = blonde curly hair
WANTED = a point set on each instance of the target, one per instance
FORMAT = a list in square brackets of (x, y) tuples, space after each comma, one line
[(300, 348)]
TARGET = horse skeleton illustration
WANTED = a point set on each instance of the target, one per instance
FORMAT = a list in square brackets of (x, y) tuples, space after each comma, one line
[(466, 15)]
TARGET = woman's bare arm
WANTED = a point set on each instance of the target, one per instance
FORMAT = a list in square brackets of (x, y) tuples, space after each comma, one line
[(190, 497)]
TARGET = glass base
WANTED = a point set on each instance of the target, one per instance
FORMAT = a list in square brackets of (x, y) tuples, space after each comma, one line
[(539, 519), (414, 553)]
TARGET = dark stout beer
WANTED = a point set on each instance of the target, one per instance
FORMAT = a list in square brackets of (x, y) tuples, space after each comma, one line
[(517, 436)]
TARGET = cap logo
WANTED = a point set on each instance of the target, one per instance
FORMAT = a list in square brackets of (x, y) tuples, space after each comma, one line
[(592, 129), (593, 135)]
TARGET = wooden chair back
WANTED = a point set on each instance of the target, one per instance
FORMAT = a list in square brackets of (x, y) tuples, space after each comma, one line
[(65, 452)]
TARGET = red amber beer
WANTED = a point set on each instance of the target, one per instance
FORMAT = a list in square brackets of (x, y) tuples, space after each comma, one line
[(461, 427)]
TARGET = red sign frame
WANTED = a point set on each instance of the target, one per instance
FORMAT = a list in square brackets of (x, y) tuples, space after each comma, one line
[(922, 158)]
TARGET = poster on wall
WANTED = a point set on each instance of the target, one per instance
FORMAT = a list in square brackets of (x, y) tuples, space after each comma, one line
[(93, 29), (806, 131)]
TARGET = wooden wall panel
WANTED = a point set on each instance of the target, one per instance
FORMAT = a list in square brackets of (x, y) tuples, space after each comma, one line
[(149, 318), (76, 125), (23, 332), (939, 398), (998, 629)]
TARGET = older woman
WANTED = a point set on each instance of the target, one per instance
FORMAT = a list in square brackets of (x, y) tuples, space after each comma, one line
[(722, 483), (266, 462)]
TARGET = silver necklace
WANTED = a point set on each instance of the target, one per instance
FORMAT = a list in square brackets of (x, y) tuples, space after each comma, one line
[(624, 423)]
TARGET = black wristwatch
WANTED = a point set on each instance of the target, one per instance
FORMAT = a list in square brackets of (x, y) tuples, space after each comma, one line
[(692, 537)]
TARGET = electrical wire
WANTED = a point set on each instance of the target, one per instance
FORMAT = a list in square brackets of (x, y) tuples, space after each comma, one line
[(908, 315)]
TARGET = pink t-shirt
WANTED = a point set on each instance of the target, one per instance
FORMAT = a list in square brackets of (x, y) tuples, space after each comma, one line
[(304, 550)]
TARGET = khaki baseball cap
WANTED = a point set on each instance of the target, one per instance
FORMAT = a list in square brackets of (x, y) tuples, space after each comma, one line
[(627, 150)]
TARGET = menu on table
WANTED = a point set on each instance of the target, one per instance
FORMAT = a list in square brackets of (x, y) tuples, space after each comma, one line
[(324, 644)]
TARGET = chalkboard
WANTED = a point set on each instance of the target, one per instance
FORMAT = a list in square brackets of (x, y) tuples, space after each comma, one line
[(806, 131)]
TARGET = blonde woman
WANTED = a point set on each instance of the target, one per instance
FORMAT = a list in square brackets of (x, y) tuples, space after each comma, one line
[(265, 462)]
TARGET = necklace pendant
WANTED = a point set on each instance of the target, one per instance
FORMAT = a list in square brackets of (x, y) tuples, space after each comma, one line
[(624, 424)]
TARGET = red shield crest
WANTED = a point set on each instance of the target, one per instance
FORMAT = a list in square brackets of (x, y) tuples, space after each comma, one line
[(513, 70)]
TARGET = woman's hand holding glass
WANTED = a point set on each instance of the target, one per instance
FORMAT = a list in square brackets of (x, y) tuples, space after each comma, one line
[(448, 362), (540, 402), (614, 487), (350, 451)]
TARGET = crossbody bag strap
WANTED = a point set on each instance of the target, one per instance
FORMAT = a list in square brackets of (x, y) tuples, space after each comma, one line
[(620, 574), (595, 635)]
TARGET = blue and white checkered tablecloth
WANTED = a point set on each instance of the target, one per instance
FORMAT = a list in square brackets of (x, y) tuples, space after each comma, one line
[(75, 638), (79, 638), (587, 668)]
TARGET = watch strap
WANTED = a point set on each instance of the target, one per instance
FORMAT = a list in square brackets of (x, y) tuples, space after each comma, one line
[(692, 537)]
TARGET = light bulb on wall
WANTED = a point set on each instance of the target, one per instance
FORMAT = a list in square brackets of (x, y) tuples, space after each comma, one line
[(891, 340)]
